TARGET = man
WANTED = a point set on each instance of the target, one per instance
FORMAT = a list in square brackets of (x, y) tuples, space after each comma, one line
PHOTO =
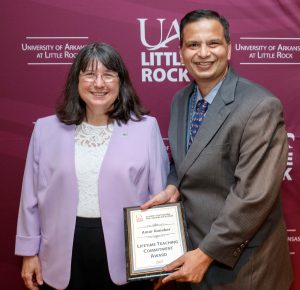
[(228, 173)]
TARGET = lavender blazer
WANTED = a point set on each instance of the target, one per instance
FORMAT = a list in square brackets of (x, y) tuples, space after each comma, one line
[(135, 166)]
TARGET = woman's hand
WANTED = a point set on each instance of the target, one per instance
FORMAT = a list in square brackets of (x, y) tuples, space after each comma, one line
[(31, 272)]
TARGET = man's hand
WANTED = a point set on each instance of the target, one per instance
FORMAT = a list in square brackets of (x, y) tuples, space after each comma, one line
[(190, 267), (157, 283), (31, 272), (169, 194)]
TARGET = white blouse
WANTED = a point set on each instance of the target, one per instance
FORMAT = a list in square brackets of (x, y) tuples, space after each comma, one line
[(91, 143)]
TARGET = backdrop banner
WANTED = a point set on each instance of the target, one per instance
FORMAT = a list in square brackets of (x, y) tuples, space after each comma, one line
[(40, 38)]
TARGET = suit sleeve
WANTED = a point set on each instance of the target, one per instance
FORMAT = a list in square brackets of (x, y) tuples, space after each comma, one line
[(256, 192), (172, 177), (159, 162), (28, 226)]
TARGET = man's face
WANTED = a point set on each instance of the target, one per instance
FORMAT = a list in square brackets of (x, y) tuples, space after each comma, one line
[(205, 51)]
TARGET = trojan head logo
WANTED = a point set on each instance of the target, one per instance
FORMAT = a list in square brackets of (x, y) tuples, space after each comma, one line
[(167, 33)]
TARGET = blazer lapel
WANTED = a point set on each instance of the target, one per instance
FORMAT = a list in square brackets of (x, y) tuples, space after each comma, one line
[(217, 113), (69, 157), (182, 125)]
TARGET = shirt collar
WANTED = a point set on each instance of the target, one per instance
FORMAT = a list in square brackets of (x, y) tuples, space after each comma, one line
[(211, 95)]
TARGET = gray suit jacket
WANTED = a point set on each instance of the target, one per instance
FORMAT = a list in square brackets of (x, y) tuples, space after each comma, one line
[(230, 182)]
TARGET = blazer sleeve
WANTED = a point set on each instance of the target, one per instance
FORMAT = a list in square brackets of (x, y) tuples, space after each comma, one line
[(172, 177), (256, 193), (159, 162), (173, 131), (28, 226)]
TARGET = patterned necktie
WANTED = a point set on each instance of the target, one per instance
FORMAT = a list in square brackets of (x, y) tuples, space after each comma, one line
[(201, 108)]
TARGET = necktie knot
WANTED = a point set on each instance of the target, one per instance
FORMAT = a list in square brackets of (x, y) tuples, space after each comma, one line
[(201, 106)]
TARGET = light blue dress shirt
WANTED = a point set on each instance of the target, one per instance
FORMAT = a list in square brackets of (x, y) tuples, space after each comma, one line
[(193, 100)]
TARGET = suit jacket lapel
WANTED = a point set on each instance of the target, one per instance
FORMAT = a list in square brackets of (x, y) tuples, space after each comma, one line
[(182, 125), (214, 118)]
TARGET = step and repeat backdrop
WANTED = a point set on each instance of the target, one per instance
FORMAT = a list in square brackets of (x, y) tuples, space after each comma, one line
[(40, 38)]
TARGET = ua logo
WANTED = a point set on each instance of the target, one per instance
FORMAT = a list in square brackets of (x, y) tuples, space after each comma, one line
[(172, 34)]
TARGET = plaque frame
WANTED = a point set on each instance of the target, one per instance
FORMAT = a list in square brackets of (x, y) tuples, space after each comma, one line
[(173, 214)]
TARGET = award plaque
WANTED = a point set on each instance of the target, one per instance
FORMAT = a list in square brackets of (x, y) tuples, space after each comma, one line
[(154, 238)]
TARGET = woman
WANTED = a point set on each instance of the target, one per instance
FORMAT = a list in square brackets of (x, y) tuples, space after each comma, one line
[(99, 154)]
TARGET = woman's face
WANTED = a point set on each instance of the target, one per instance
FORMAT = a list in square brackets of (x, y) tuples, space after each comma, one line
[(98, 87)]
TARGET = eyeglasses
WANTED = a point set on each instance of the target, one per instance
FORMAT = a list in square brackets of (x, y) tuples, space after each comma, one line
[(92, 76)]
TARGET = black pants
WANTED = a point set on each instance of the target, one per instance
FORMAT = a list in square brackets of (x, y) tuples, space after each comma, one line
[(89, 270)]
